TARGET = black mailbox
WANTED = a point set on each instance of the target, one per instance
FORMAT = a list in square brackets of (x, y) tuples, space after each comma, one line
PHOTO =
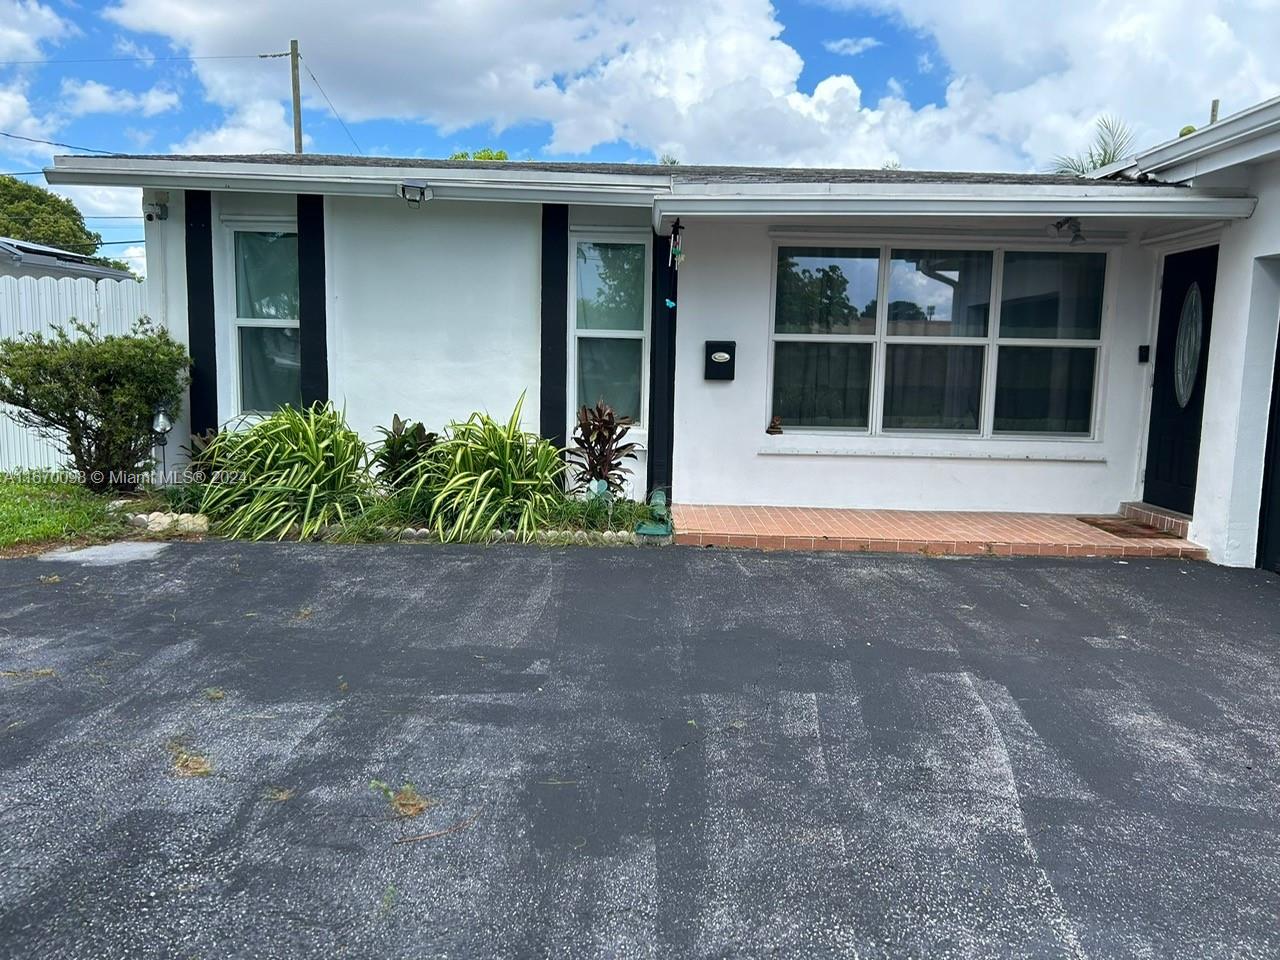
[(719, 359)]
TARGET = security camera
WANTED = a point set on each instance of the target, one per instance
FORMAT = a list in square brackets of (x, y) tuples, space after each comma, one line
[(155, 211)]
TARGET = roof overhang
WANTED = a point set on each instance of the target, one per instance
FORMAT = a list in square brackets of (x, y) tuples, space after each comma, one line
[(509, 184), (1250, 136), (928, 201)]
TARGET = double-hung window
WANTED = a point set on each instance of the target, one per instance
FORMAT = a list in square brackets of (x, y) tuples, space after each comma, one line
[(266, 321), (945, 341), (608, 337)]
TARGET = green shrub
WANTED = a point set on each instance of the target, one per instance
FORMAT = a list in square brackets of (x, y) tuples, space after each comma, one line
[(95, 396), (296, 471), (401, 454), (486, 475)]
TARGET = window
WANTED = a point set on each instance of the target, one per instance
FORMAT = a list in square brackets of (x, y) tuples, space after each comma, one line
[(1050, 328), (608, 350), (824, 330), (266, 326), (950, 320)]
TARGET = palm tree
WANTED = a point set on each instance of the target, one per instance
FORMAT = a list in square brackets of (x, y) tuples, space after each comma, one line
[(1112, 139)]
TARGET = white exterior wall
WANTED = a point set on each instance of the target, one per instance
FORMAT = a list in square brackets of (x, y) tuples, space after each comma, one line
[(723, 456), (1242, 352), (433, 312)]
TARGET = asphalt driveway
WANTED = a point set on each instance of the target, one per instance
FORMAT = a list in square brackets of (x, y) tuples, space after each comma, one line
[(671, 752)]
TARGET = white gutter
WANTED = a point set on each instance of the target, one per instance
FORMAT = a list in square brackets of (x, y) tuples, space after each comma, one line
[(514, 184), (1239, 138), (1129, 202)]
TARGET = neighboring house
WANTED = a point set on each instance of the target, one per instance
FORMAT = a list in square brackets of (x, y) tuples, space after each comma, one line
[(946, 341), (19, 258)]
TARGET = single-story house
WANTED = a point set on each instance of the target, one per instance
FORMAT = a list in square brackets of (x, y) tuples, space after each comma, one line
[(849, 338), (21, 258)]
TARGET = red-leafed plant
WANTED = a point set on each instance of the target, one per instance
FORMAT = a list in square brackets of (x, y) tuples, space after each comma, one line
[(600, 445)]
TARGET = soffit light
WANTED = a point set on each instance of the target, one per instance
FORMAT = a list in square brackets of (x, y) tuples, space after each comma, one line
[(415, 192)]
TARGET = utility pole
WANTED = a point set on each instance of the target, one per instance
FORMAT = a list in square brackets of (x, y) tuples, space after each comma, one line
[(294, 57), (297, 96)]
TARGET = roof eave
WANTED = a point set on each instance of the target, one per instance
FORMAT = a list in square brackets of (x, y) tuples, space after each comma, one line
[(1157, 203)]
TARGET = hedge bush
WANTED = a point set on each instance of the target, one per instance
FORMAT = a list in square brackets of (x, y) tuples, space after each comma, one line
[(95, 396)]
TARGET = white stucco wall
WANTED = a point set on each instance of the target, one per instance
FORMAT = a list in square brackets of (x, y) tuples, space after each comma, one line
[(434, 312), (1242, 350), (722, 454)]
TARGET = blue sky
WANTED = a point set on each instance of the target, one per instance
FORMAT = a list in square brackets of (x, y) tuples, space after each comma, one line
[(1005, 85)]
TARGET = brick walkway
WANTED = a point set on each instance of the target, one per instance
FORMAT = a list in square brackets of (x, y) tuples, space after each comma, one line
[(910, 531)]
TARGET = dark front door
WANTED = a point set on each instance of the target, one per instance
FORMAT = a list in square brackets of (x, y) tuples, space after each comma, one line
[(1182, 357), (1269, 522)]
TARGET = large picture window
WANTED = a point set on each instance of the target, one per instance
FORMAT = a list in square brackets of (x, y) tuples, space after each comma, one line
[(887, 339), (266, 324), (608, 355)]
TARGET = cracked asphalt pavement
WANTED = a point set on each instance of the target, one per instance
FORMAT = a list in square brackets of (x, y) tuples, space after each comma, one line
[(636, 753)]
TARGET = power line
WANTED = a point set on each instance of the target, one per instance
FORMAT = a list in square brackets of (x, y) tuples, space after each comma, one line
[(83, 217), (55, 143), (336, 115), (18, 63)]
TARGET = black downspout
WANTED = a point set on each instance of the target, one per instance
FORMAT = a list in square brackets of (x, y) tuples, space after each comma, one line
[(312, 305), (201, 338), (662, 368), (553, 378)]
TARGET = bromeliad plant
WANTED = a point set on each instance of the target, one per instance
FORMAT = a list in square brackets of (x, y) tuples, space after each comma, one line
[(402, 452), (600, 446), (485, 475), (296, 471)]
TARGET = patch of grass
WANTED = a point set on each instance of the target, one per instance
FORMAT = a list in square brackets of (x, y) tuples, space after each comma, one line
[(406, 802), (573, 513), (188, 763), (214, 694), (37, 673), (34, 509), (278, 794)]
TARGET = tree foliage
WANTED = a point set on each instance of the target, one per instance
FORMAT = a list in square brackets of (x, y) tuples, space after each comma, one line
[(95, 396), (31, 213), (1112, 140), (484, 153)]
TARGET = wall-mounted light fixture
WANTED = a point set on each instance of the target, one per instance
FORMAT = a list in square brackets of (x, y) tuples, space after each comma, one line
[(1069, 225), (415, 192)]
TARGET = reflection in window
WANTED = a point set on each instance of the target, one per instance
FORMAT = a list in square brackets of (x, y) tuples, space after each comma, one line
[(1052, 295), (826, 290), (611, 285), (939, 293), (822, 384), (610, 370)]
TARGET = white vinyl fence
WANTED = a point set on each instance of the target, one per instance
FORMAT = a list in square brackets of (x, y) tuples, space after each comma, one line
[(30, 304)]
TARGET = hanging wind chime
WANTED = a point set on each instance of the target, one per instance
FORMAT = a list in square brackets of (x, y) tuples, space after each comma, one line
[(676, 255)]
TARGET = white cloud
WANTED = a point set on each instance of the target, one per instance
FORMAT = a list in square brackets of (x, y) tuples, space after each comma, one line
[(851, 46), (24, 25), (924, 63), (83, 97), (716, 81), (260, 126), (136, 258), (125, 47)]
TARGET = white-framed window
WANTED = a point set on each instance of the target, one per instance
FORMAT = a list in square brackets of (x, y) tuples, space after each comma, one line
[(609, 311), (955, 341), (265, 343)]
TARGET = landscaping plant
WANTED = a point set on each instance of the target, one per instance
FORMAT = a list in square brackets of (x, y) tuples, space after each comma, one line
[(294, 472), (38, 508), (600, 445), (95, 396), (401, 454), (486, 475)]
